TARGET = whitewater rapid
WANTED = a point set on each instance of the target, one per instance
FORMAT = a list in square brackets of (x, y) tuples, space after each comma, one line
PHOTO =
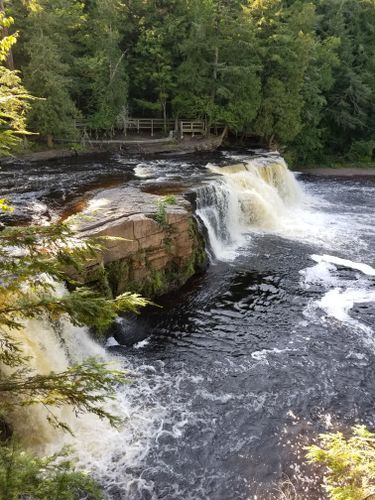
[(262, 196), (341, 292), (104, 451)]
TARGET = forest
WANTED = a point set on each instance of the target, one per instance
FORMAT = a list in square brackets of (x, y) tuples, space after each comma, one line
[(293, 74)]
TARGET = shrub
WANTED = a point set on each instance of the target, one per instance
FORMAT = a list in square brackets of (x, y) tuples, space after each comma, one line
[(362, 150), (23, 475), (161, 214), (350, 463)]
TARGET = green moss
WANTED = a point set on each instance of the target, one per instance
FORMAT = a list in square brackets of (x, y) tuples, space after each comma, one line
[(118, 276), (168, 244), (156, 284), (117, 273), (104, 286), (200, 254)]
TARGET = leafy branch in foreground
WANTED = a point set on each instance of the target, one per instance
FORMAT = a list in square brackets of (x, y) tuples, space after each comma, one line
[(350, 463), (83, 386), (33, 261), (23, 475)]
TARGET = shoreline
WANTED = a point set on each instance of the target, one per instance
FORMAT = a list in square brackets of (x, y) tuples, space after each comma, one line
[(338, 172), (132, 147)]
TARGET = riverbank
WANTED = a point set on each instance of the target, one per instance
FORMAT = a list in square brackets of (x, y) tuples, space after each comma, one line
[(132, 145), (339, 172)]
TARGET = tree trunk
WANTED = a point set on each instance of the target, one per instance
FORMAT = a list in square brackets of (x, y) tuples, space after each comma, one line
[(216, 63), (164, 109), (50, 140)]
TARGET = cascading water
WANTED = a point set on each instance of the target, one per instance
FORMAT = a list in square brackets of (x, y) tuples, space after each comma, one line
[(109, 454), (51, 347), (257, 194)]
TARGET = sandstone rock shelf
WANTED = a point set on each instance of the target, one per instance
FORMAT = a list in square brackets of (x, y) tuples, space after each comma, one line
[(149, 246)]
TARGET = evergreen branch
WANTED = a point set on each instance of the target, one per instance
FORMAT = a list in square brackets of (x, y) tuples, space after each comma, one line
[(84, 386)]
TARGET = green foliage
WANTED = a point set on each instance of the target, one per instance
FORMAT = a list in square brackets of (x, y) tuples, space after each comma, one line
[(48, 55), (362, 150), (78, 148), (220, 51), (169, 200), (84, 386), (350, 463), (349, 113), (161, 214), (157, 284), (14, 99), (102, 69), (23, 475), (291, 73)]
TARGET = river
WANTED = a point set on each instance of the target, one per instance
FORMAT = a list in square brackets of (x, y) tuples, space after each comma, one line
[(251, 360)]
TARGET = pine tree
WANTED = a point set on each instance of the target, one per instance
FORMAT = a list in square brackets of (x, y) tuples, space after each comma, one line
[(48, 53), (220, 52), (284, 40), (349, 114), (14, 99), (349, 463), (102, 73)]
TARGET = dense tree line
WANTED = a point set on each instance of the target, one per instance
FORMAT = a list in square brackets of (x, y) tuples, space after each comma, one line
[(295, 73)]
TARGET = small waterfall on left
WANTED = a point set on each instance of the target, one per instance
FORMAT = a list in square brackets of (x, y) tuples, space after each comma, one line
[(113, 456), (51, 347)]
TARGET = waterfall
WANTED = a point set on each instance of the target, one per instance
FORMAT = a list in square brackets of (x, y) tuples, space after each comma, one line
[(254, 195), (111, 455), (51, 347)]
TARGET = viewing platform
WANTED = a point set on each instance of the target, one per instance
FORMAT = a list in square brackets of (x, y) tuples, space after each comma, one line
[(174, 128), (154, 135)]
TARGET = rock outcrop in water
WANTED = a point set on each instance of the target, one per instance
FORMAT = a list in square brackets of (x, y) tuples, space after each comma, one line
[(155, 247)]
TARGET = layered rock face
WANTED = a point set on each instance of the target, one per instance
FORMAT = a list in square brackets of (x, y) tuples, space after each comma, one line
[(151, 245)]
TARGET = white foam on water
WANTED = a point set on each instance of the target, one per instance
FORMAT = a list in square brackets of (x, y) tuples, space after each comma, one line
[(338, 261), (142, 343), (319, 274), (340, 293), (144, 171), (111, 342), (264, 354), (337, 303)]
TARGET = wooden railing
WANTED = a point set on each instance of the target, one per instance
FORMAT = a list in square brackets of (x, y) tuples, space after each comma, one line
[(196, 127), (151, 124), (181, 127)]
